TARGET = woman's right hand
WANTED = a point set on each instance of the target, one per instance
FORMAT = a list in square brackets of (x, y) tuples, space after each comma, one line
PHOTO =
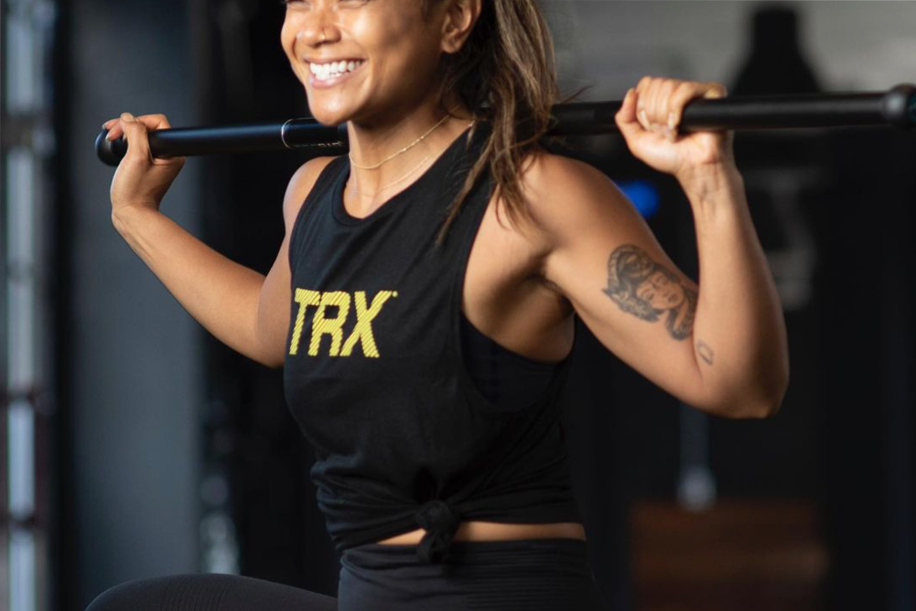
[(140, 180)]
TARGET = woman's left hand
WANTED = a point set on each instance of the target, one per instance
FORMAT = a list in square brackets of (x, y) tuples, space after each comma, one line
[(648, 120)]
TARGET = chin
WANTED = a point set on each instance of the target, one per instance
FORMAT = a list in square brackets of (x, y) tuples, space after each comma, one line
[(327, 122), (328, 116)]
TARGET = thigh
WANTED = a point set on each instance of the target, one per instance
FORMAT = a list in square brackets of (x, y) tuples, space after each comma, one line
[(527, 574), (209, 592)]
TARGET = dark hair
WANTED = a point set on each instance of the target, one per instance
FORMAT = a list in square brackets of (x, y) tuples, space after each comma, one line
[(505, 74)]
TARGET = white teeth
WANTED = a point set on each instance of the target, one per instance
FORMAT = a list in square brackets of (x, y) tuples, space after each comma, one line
[(326, 71)]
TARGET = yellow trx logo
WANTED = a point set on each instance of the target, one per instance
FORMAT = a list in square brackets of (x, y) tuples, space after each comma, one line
[(322, 325)]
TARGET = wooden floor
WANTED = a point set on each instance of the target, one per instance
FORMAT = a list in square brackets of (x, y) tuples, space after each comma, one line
[(747, 555)]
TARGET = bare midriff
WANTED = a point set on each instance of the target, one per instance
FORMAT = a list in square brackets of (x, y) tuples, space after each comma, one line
[(497, 531)]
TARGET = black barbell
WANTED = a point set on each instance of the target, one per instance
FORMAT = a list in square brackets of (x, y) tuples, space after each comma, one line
[(895, 107)]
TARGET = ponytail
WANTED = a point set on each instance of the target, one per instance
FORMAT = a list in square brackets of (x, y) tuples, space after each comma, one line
[(505, 73)]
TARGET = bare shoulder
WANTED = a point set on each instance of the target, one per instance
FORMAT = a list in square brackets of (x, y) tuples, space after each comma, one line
[(300, 185), (566, 196)]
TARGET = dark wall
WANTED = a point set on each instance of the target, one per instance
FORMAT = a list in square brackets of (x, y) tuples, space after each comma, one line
[(131, 357), (865, 328)]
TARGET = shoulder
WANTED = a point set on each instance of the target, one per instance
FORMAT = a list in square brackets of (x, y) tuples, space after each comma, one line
[(566, 196), (300, 185)]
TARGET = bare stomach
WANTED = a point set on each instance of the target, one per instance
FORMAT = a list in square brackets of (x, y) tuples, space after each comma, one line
[(497, 531)]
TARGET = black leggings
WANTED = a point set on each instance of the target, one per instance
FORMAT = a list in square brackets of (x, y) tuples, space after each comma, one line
[(529, 574)]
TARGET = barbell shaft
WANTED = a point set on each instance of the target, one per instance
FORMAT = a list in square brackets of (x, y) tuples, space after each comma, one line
[(895, 107)]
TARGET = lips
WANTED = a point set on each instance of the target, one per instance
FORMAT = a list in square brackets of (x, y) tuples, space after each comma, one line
[(325, 71), (329, 74)]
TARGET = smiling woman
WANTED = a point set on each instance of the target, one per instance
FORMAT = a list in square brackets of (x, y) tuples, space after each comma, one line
[(424, 340), (490, 60)]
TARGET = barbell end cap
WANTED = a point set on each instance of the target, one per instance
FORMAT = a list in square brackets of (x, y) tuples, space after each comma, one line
[(110, 152), (899, 106)]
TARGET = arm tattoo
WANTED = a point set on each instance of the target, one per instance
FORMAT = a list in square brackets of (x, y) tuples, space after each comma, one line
[(648, 290), (705, 352)]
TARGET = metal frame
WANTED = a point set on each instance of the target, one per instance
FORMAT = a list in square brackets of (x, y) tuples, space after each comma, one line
[(25, 198)]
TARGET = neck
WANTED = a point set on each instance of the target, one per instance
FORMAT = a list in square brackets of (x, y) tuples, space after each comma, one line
[(373, 141)]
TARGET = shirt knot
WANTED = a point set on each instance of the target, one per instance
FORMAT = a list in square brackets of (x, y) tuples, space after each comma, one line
[(440, 521)]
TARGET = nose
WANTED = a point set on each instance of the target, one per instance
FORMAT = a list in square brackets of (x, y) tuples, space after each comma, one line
[(319, 26)]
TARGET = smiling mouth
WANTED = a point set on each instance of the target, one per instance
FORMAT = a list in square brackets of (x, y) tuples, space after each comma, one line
[(331, 71)]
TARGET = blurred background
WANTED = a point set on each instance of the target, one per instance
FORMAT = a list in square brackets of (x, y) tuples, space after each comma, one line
[(135, 445)]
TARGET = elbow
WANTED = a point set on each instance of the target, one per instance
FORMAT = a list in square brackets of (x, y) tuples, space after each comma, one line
[(765, 408), (267, 352), (755, 391), (272, 359), (774, 405), (271, 362), (765, 399), (778, 387), (778, 378), (746, 407), (763, 394)]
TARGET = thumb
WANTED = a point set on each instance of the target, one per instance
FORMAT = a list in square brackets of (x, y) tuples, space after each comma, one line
[(626, 116), (136, 136)]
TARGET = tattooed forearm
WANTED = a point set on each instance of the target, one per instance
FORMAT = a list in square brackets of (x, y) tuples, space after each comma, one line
[(705, 352), (648, 290)]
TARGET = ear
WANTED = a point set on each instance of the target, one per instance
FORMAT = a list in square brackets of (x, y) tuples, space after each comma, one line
[(458, 22)]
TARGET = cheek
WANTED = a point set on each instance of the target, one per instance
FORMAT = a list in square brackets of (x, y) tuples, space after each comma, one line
[(288, 37), (402, 45)]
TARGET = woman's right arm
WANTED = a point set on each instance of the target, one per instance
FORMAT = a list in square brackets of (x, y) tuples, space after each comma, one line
[(241, 307)]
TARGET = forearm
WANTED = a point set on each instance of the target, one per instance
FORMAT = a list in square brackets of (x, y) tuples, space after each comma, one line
[(220, 294), (739, 332)]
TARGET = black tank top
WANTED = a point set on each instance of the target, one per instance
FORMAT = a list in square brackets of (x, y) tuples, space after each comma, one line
[(376, 379), (506, 378)]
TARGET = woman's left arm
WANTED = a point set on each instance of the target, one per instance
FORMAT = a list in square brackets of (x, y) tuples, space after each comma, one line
[(721, 345), (738, 308)]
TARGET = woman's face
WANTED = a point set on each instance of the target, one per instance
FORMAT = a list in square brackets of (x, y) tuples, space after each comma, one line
[(362, 59), (660, 291)]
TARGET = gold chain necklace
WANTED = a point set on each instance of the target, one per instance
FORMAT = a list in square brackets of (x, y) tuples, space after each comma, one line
[(406, 148), (356, 190)]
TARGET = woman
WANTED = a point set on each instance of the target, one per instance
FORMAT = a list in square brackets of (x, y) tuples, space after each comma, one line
[(422, 301)]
